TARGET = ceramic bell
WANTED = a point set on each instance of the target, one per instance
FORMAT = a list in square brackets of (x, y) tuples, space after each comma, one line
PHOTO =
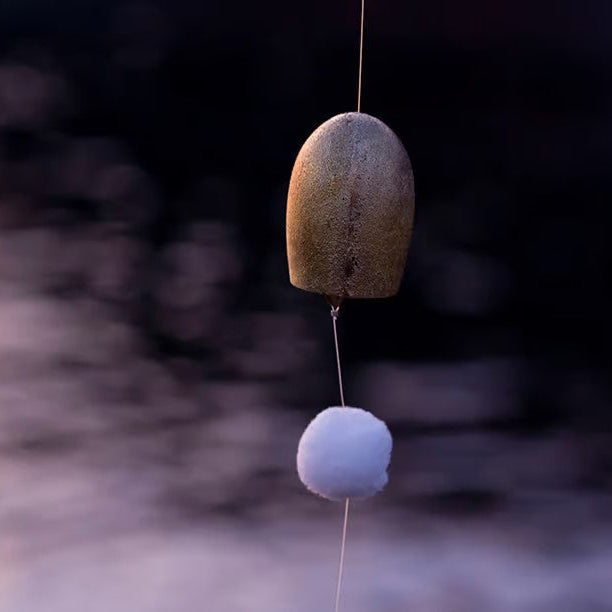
[(350, 210)]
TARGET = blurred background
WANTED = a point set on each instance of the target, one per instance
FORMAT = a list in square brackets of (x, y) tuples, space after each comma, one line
[(157, 369)]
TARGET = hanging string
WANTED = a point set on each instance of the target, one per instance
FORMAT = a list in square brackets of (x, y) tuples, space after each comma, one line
[(335, 311), (342, 549), (360, 57)]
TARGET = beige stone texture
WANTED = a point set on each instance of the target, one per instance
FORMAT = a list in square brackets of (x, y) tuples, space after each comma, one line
[(350, 210)]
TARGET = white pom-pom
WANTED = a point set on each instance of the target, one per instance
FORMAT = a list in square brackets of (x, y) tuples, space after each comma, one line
[(344, 452)]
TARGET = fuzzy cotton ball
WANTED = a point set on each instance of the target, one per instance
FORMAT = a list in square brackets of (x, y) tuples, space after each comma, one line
[(344, 452)]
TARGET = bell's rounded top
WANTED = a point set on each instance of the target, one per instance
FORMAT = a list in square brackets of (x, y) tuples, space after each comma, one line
[(350, 209)]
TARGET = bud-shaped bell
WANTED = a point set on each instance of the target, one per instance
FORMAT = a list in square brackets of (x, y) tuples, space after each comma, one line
[(350, 210)]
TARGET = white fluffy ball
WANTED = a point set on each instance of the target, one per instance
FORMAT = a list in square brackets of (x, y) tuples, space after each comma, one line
[(344, 452)]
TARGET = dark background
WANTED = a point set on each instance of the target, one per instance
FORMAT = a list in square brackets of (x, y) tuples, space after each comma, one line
[(148, 329)]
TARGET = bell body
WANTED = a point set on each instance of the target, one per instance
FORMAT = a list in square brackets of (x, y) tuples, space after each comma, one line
[(350, 210)]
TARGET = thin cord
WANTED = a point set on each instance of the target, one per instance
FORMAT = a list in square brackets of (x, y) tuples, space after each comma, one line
[(360, 57), (335, 311), (342, 549)]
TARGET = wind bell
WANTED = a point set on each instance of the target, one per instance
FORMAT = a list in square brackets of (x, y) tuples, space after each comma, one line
[(350, 212)]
